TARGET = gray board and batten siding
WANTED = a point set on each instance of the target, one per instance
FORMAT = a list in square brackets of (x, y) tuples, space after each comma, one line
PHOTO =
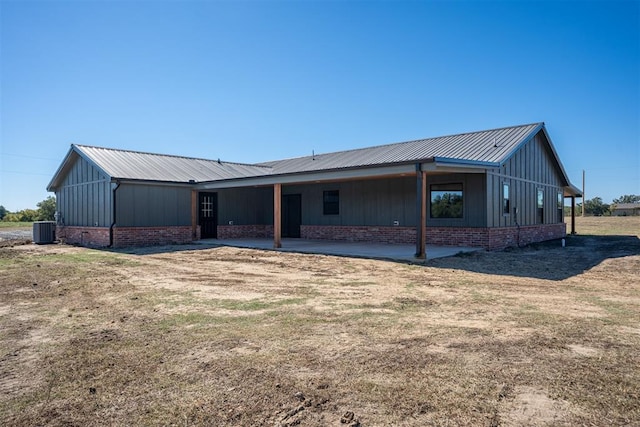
[(245, 206), (533, 167), (84, 196), (153, 205), (373, 202)]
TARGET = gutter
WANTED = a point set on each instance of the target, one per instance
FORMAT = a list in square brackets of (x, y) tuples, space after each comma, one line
[(113, 215)]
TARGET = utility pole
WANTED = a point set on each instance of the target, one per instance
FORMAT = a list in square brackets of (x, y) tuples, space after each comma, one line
[(583, 198)]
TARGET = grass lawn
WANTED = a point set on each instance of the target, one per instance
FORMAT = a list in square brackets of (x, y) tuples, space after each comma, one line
[(15, 225), (538, 336)]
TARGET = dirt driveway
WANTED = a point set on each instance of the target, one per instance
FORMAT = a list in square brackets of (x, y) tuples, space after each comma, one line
[(541, 336), (16, 234)]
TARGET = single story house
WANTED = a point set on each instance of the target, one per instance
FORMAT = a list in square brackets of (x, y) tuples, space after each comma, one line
[(626, 209), (492, 189)]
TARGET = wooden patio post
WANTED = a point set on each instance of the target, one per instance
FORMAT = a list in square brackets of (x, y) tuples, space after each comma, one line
[(573, 214), (277, 224), (421, 212)]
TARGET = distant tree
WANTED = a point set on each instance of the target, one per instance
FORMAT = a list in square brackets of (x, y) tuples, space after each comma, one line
[(3, 212), (28, 215), (627, 198), (11, 217), (596, 207), (25, 215), (47, 209)]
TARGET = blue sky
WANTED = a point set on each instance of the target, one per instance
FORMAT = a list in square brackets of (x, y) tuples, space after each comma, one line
[(253, 81)]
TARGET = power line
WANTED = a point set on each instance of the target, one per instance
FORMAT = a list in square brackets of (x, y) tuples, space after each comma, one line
[(25, 173), (28, 157)]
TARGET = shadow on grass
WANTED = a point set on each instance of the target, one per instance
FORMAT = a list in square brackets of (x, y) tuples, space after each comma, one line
[(546, 260)]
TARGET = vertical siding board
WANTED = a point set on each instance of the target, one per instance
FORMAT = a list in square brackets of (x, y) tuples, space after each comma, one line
[(494, 202), (91, 205), (490, 214), (78, 209), (99, 203), (247, 206)]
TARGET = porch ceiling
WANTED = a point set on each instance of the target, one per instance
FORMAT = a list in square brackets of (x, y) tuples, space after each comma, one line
[(430, 167)]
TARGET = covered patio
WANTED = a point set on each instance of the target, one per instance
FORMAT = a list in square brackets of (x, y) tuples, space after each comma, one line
[(395, 252)]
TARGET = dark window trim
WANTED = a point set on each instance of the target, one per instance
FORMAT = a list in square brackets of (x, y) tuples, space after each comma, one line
[(444, 184), (560, 206), (539, 209), (329, 206), (508, 199)]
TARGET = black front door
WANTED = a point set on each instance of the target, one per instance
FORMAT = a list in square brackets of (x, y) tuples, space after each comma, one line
[(208, 220), (291, 215)]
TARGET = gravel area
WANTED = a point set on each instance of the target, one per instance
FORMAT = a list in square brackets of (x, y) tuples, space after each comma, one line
[(16, 234)]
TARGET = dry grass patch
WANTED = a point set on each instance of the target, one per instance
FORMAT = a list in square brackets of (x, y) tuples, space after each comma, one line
[(535, 336)]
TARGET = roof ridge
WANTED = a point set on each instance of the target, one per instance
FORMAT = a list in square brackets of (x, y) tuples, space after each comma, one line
[(168, 155), (403, 142)]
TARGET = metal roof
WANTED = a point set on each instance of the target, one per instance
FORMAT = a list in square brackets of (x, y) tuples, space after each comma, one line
[(484, 148), (626, 206), (135, 165), (490, 147)]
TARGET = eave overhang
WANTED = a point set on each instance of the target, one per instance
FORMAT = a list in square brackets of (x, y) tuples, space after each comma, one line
[(433, 165)]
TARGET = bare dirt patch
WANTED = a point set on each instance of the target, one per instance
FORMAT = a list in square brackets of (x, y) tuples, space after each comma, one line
[(533, 407), (542, 335)]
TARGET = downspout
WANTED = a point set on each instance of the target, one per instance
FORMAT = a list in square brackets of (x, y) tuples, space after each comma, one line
[(113, 213)]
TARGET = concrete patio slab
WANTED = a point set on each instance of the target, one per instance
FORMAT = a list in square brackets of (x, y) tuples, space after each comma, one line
[(373, 250)]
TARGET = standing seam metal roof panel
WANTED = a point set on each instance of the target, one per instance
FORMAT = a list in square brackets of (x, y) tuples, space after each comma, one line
[(488, 147), (157, 167), (492, 146)]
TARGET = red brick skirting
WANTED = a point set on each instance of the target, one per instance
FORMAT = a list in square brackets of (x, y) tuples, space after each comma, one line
[(150, 236), (494, 238), (240, 231), (488, 238), (126, 236), (83, 236), (359, 233), (501, 238)]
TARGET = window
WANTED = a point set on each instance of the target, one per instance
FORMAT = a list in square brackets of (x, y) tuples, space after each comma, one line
[(540, 204), (331, 202), (446, 201), (506, 204), (560, 207)]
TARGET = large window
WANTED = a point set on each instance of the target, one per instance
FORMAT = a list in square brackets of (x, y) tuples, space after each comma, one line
[(540, 205), (446, 201), (331, 202), (506, 203)]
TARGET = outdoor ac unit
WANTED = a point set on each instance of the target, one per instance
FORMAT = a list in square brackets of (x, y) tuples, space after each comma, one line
[(44, 232)]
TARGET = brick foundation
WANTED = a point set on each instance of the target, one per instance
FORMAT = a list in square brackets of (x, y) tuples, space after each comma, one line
[(96, 237), (359, 233), (240, 231), (151, 236), (495, 238), (501, 238), (488, 238)]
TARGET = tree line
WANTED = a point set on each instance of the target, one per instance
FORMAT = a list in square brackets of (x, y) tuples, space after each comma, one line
[(45, 211), (596, 207)]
